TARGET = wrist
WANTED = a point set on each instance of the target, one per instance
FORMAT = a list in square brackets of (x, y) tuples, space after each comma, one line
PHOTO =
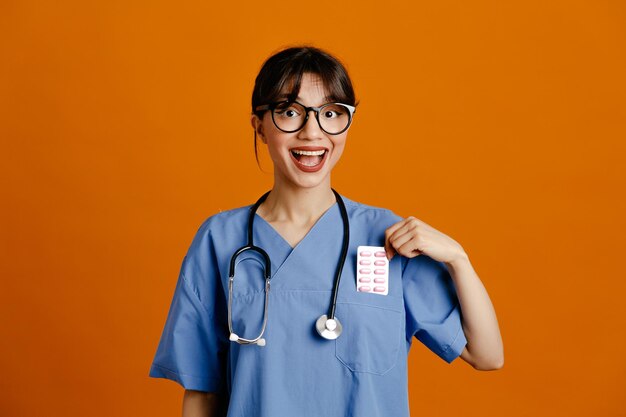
[(458, 262)]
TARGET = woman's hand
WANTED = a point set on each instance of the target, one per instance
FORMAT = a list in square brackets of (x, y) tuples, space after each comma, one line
[(412, 237)]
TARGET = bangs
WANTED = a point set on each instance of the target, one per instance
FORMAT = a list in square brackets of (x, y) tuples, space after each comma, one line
[(334, 90), (281, 77)]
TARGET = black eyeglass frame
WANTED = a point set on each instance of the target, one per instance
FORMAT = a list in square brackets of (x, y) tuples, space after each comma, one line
[(272, 106)]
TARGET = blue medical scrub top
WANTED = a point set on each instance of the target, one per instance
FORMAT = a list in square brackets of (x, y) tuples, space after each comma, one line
[(298, 373)]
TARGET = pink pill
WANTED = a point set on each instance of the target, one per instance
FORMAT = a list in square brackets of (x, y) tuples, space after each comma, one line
[(379, 289), (364, 279), (379, 280), (365, 253), (365, 271), (380, 254), (379, 272), (380, 263), (365, 288), (364, 262)]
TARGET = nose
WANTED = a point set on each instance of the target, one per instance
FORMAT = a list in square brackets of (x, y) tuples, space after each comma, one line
[(311, 129)]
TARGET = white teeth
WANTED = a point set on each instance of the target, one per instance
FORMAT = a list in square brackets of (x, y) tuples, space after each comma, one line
[(309, 153)]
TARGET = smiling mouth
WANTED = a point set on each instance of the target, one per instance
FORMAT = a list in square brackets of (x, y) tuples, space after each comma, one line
[(309, 158)]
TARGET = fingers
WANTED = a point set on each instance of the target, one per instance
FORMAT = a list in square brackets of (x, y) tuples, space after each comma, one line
[(410, 249), (389, 250), (402, 238)]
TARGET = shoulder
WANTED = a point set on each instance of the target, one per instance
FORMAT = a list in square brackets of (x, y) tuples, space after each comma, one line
[(377, 220), (370, 214), (224, 218), (216, 230), (225, 224)]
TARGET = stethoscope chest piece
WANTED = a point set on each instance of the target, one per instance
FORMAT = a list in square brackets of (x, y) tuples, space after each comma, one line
[(328, 328)]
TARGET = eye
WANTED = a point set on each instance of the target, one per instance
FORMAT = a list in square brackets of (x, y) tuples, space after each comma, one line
[(333, 111), (288, 110), (290, 113)]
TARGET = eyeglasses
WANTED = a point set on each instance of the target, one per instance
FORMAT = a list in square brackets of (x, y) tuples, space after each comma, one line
[(291, 116)]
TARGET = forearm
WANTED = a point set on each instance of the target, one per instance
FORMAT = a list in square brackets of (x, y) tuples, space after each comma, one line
[(199, 404), (480, 325)]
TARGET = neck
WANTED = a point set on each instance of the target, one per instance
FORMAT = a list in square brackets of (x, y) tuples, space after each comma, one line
[(292, 204)]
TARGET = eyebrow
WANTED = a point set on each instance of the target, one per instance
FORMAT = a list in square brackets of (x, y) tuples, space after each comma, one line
[(326, 99)]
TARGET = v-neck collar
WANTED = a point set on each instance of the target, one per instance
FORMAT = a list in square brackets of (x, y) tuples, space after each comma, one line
[(278, 249), (284, 241)]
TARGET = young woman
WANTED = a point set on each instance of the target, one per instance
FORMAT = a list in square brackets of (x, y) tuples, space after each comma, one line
[(306, 303)]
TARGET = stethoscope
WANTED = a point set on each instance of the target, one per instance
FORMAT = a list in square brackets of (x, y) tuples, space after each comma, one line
[(328, 326)]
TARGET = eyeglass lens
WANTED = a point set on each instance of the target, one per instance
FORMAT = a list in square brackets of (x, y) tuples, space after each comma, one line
[(333, 118)]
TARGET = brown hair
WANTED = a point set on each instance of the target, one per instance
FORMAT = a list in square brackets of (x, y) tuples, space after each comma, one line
[(283, 71)]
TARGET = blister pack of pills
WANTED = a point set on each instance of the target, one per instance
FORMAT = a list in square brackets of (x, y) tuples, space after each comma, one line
[(372, 270)]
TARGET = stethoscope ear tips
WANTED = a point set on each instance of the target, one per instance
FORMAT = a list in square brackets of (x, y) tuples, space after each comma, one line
[(234, 338)]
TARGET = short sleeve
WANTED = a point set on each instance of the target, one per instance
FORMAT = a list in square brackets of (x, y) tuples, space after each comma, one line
[(191, 350), (433, 312)]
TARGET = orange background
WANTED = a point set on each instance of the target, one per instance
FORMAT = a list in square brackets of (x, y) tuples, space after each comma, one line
[(125, 124)]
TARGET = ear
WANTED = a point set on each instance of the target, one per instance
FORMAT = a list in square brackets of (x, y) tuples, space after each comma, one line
[(257, 125)]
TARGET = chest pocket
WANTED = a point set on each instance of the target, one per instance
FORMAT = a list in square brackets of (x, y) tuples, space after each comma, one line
[(370, 341)]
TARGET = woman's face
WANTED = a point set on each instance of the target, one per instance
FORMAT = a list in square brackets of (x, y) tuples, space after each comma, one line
[(304, 158)]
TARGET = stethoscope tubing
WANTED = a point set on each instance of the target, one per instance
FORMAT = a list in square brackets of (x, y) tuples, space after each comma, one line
[(344, 253), (336, 329)]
